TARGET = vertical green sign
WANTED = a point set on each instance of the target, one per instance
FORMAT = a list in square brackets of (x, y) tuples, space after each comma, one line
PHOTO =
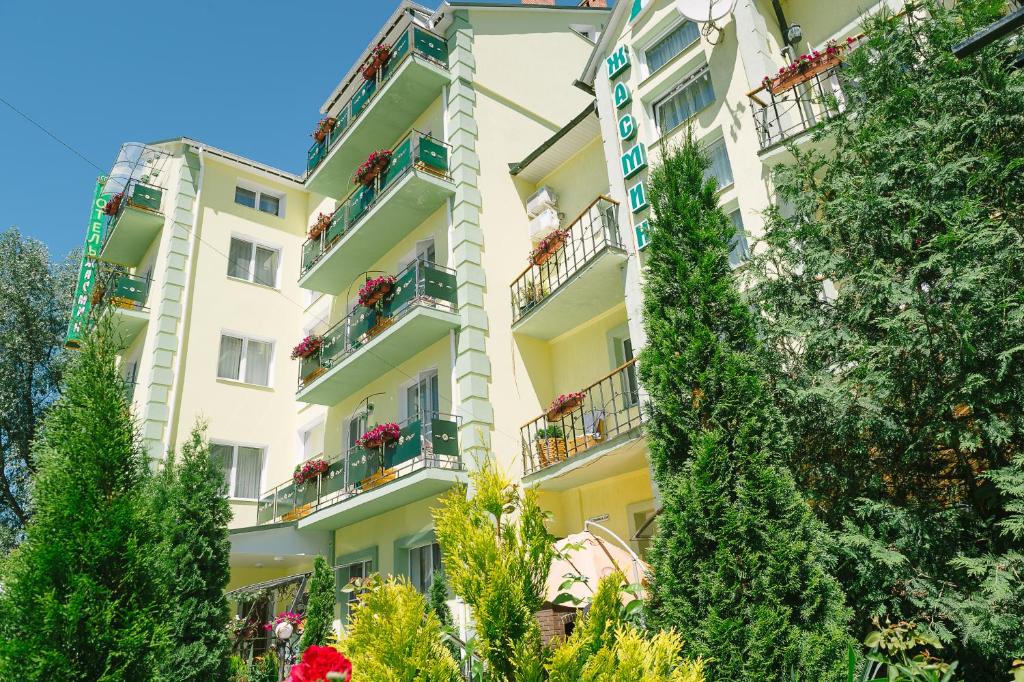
[(89, 270)]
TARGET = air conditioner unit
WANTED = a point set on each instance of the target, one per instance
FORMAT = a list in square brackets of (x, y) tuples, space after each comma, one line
[(540, 201), (544, 223)]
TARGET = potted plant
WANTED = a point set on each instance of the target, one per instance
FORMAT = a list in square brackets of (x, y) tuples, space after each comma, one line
[(375, 164), (807, 66), (529, 296), (309, 470), (307, 347), (375, 291), (323, 221), (379, 56), (307, 351), (113, 204), (548, 246), (380, 435), (564, 404), (549, 444), (324, 128)]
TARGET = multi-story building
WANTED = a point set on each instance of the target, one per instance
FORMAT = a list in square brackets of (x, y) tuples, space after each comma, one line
[(510, 216)]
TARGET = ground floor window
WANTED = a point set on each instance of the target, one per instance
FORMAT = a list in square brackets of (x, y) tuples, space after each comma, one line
[(423, 561)]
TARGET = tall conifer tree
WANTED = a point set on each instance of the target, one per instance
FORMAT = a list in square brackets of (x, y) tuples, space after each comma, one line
[(319, 607), (738, 562)]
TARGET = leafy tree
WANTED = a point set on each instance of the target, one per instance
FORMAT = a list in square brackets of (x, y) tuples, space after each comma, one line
[(320, 607), (35, 299), (81, 598), (196, 566), (391, 635), (738, 565), (497, 555), (892, 303)]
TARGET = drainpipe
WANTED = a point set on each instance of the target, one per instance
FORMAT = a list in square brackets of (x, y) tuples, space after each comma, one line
[(780, 17)]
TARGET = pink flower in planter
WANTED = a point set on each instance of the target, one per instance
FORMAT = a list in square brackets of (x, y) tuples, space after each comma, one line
[(369, 292), (307, 347), (566, 399), (380, 435)]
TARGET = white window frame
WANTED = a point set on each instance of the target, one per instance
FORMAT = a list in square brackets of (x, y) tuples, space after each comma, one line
[(246, 338), (689, 79), (282, 197), (711, 141), (403, 391), (657, 38), (320, 421), (269, 246), (433, 569), (234, 445)]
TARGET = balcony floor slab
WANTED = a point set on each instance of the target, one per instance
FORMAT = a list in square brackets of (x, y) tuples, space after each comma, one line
[(131, 236)]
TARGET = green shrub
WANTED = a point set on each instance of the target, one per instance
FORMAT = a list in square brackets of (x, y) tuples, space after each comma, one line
[(319, 627)]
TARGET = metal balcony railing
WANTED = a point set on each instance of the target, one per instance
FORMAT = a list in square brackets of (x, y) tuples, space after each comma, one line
[(258, 604), (138, 194), (427, 441), (591, 233), (417, 151), (122, 290), (414, 42), (421, 283), (610, 408)]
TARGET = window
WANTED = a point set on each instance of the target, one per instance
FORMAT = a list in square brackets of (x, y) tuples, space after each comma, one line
[(353, 571), (738, 247), (720, 168), (312, 440), (423, 561), (684, 101), (258, 199), (354, 428), (253, 262), (680, 38), (422, 397), (245, 359), (241, 467), (623, 347)]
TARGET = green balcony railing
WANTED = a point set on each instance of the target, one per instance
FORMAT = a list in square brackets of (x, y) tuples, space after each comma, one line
[(425, 442), (122, 290), (422, 283), (417, 151), (137, 195), (414, 42)]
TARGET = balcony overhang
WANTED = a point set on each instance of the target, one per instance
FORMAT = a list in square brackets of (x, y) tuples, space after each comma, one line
[(625, 453), (264, 544), (391, 112), (413, 332), (427, 482), (127, 324), (592, 290), (131, 236), (413, 199)]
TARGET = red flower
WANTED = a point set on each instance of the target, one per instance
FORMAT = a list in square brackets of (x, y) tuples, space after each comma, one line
[(317, 662), (380, 434)]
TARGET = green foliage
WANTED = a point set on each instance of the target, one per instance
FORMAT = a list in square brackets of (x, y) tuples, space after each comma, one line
[(893, 312), (437, 602), (81, 598), (393, 637), (605, 647), (497, 554), (238, 670), (902, 653), (739, 565), (552, 431), (196, 567), (265, 668), (35, 299), (320, 607)]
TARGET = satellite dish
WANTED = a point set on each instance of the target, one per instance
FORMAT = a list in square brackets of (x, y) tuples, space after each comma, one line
[(705, 11)]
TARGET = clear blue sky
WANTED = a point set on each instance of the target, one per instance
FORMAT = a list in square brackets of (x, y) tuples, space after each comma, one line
[(243, 75)]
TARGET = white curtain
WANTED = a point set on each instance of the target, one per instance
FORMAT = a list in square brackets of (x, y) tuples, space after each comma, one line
[(257, 363), (720, 168), (683, 104), (674, 43), (230, 357), (266, 267), (221, 456), (247, 476), (738, 247), (239, 259)]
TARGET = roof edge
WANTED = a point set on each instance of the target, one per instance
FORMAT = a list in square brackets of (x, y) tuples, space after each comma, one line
[(517, 168)]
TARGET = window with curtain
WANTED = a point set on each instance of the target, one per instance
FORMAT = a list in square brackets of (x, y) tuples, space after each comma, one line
[(253, 262), (423, 561), (354, 571), (243, 359), (242, 468), (685, 100), (720, 168), (265, 202), (680, 38), (738, 247)]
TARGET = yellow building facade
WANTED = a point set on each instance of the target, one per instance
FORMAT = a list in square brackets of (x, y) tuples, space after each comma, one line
[(508, 228)]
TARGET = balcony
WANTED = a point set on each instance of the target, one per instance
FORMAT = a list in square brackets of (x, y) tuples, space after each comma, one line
[(125, 297), (581, 280), (597, 438), (365, 482), (380, 110), (137, 222), (375, 217), (368, 343)]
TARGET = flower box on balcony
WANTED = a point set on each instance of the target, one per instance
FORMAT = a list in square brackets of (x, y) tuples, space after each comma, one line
[(548, 246), (380, 435), (806, 67), (378, 58), (374, 165), (308, 347), (549, 444), (323, 221), (564, 404), (113, 204), (324, 128), (376, 290)]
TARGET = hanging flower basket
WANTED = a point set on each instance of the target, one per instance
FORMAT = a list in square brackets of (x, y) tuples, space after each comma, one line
[(324, 128), (807, 66), (375, 164), (379, 56), (379, 435), (564, 404), (376, 290), (309, 471), (323, 221), (548, 246), (307, 347), (113, 204)]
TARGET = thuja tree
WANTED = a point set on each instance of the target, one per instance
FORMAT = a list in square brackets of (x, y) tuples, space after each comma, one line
[(319, 628), (81, 598), (738, 564), (195, 556), (893, 305)]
